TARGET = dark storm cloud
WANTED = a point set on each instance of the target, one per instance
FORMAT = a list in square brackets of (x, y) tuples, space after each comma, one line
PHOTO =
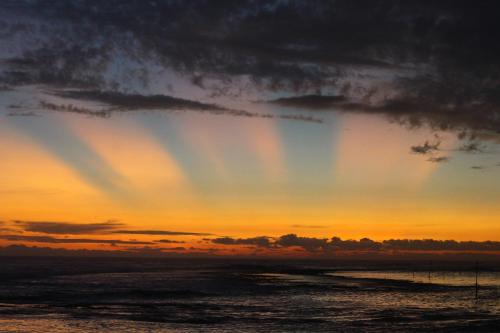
[(69, 228), (439, 61), (48, 239), (325, 245), (307, 226)]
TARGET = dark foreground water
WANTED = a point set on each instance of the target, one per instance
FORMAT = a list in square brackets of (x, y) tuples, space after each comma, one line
[(153, 295)]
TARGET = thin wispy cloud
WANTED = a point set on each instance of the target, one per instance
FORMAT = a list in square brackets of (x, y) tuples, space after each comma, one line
[(438, 159), (53, 240), (103, 228), (169, 241), (159, 232), (68, 228)]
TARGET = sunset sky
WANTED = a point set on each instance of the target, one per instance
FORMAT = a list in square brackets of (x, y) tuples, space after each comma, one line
[(204, 133)]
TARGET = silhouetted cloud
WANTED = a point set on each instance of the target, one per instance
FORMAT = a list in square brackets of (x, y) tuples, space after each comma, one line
[(69, 228), (315, 246), (440, 245), (146, 251), (49, 239), (308, 243), (261, 241), (336, 244)]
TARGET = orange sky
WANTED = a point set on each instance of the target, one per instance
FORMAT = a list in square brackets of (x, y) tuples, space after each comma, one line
[(352, 176)]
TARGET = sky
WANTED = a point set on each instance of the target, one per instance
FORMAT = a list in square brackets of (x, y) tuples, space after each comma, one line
[(273, 128)]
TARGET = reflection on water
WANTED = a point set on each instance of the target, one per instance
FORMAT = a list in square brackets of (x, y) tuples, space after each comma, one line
[(435, 277)]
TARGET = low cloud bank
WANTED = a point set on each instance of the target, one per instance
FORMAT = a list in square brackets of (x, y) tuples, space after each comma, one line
[(325, 245)]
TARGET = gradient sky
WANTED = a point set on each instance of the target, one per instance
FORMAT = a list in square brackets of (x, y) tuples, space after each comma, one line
[(246, 162)]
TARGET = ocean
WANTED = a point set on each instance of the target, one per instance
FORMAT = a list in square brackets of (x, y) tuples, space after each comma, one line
[(196, 295)]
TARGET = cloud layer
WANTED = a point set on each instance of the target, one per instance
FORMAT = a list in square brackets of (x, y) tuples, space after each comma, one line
[(109, 227), (336, 244), (416, 61)]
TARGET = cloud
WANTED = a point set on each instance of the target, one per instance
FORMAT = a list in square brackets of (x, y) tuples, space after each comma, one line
[(49, 239), (315, 246), (438, 159), (145, 251), (159, 232), (440, 245), (261, 241), (136, 101), (108, 227), (425, 148), (129, 102), (169, 241), (307, 243), (320, 102), (22, 114), (337, 245), (421, 62), (471, 147), (69, 228), (154, 250), (74, 109)]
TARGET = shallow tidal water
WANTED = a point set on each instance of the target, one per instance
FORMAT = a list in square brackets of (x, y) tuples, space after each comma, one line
[(146, 295)]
